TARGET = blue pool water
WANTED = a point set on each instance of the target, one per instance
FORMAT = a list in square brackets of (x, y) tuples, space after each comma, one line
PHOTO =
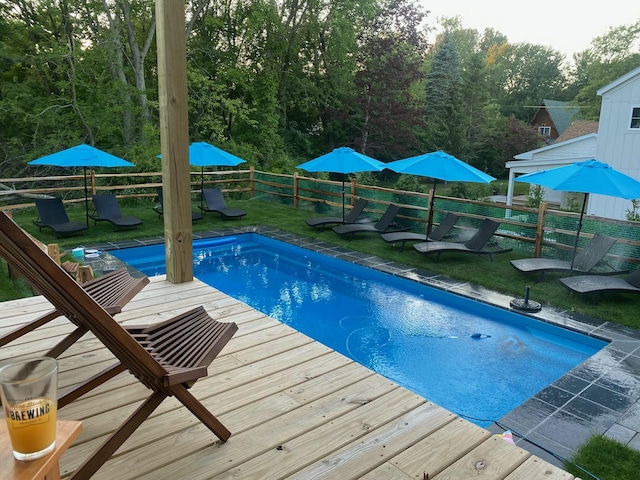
[(469, 357)]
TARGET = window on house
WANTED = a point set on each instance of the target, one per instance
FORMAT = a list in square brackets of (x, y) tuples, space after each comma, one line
[(635, 117), (544, 131)]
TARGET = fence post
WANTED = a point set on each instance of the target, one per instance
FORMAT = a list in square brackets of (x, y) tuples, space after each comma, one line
[(296, 200), (431, 203), (92, 181), (251, 186), (542, 214), (353, 191)]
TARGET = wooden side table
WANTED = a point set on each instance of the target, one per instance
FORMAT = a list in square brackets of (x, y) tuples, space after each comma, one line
[(45, 468)]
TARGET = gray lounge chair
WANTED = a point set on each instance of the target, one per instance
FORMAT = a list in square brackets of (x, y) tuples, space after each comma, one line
[(385, 224), (51, 214), (437, 234), (474, 245), (214, 202), (586, 260), (159, 209), (107, 210), (354, 216), (600, 284)]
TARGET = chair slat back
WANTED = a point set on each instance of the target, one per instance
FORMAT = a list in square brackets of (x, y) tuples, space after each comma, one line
[(387, 218), (483, 235), (107, 206), (74, 302), (51, 211)]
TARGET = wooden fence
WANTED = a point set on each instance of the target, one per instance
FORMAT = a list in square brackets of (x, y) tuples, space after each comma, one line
[(536, 231)]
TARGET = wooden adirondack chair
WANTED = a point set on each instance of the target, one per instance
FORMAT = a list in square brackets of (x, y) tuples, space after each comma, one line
[(168, 358)]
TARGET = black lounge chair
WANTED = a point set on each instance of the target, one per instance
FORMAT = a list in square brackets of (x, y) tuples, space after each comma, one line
[(354, 216), (107, 210), (214, 202), (588, 260), (475, 244), (598, 284), (437, 234), (159, 209), (385, 224), (51, 214)]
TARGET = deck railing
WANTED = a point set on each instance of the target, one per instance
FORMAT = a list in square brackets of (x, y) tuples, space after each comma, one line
[(533, 231)]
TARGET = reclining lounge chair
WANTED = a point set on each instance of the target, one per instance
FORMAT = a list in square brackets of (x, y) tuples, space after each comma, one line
[(107, 210), (352, 217), (474, 245), (159, 209), (214, 202), (599, 284), (51, 214), (436, 235), (586, 260), (385, 224), (168, 357)]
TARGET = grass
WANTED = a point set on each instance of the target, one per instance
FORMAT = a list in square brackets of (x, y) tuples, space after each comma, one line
[(603, 457), (498, 275), (607, 459)]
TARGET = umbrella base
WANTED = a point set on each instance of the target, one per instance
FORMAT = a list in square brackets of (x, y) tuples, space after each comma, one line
[(525, 305)]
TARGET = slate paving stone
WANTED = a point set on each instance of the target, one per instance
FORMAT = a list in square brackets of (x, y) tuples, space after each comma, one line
[(554, 396), (571, 383), (594, 413), (607, 398)]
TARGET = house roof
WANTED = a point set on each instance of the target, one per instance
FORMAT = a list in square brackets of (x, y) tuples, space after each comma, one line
[(578, 128), (616, 83), (561, 113)]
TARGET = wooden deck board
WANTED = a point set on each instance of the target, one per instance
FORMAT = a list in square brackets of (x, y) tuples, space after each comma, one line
[(295, 408)]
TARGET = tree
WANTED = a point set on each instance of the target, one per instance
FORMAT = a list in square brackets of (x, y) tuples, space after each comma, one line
[(443, 99)]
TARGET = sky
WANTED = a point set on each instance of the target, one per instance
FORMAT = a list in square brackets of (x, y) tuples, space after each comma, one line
[(568, 26)]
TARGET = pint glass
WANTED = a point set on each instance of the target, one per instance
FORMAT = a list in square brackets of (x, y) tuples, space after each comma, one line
[(29, 399)]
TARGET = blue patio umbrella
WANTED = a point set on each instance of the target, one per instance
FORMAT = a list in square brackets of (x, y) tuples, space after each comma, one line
[(203, 154), (439, 166), (84, 156), (343, 160), (590, 176)]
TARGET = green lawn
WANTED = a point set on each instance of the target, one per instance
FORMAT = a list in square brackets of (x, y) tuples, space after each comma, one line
[(498, 275)]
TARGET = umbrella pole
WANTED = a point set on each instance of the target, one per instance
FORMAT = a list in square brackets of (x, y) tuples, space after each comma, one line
[(343, 197), (201, 188), (432, 200), (86, 197), (575, 245)]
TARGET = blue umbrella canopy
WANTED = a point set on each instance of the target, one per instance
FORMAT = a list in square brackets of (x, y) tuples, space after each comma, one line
[(343, 160), (590, 176), (439, 165), (82, 156), (203, 154)]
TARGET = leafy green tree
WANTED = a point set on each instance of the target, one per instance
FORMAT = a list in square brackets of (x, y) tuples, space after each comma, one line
[(608, 58), (443, 99)]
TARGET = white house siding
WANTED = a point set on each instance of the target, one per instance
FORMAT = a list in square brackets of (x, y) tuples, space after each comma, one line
[(618, 145), (552, 156)]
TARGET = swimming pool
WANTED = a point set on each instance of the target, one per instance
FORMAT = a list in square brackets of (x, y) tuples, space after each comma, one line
[(473, 359)]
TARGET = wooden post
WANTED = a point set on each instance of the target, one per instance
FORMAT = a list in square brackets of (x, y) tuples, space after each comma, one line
[(251, 185), (353, 192), (174, 139), (432, 194), (296, 200), (542, 214)]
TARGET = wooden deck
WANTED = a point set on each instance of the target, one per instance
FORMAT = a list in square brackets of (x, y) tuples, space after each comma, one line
[(297, 409)]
